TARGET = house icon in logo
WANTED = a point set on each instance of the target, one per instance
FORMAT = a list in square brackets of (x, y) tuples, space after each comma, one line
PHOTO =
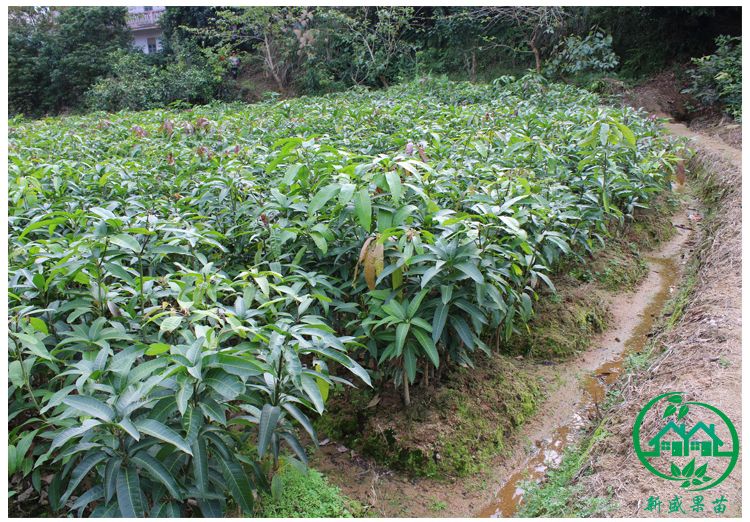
[(680, 442)]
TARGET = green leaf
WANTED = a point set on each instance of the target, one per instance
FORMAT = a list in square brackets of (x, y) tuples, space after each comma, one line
[(166, 510), (320, 242), (184, 393), (291, 174), (229, 387), (472, 271), (303, 419), (604, 133), (431, 272), (701, 470), (111, 472), (192, 422), (15, 374), (410, 364), (213, 411), (159, 472), (277, 485), (34, 345), (129, 496), (269, 417), (322, 197), (346, 193), (310, 387), (415, 303), (90, 406), (241, 366), (238, 483), (158, 348), (626, 133), (163, 432), (70, 433), (428, 345), (80, 471), (126, 241), (394, 184), (463, 330), (675, 470), (170, 323), (200, 464), (127, 425), (402, 330), (438, 321), (39, 325), (87, 498), (363, 209)]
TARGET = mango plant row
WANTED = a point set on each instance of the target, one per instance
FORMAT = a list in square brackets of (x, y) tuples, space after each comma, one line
[(186, 288)]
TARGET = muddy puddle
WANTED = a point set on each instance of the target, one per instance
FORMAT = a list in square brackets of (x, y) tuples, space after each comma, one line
[(634, 316)]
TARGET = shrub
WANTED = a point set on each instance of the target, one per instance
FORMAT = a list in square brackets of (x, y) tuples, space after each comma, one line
[(717, 78), (135, 84), (576, 55)]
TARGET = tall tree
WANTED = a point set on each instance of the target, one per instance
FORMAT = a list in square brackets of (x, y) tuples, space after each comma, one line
[(56, 55)]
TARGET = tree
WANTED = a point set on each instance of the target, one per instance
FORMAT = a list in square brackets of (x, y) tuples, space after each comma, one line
[(176, 23), (85, 38), (274, 32), (29, 32), (540, 23), (56, 55), (367, 44)]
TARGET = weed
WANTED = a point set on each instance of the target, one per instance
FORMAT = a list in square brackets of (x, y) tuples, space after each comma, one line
[(306, 494)]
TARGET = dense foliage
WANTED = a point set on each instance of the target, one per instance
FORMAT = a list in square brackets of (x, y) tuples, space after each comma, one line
[(134, 83), (186, 288), (54, 59), (576, 55), (717, 78), (651, 38)]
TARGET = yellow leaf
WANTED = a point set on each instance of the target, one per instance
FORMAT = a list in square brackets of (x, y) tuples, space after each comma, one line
[(373, 264)]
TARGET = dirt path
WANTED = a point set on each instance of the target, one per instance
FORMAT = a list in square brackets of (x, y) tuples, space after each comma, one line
[(581, 384), (560, 421), (701, 354)]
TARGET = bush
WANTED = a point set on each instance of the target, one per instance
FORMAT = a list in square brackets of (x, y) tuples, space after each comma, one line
[(576, 55), (717, 78), (136, 85)]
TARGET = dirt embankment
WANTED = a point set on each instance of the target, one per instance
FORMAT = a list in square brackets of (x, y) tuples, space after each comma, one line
[(663, 94), (700, 354)]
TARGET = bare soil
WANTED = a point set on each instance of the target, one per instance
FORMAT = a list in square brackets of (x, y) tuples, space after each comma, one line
[(663, 94)]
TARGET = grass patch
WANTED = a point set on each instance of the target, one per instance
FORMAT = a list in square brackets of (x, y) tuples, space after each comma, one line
[(307, 495), (560, 496), (452, 430), (562, 326)]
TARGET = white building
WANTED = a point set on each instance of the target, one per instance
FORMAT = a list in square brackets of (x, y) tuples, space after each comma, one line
[(144, 26)]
